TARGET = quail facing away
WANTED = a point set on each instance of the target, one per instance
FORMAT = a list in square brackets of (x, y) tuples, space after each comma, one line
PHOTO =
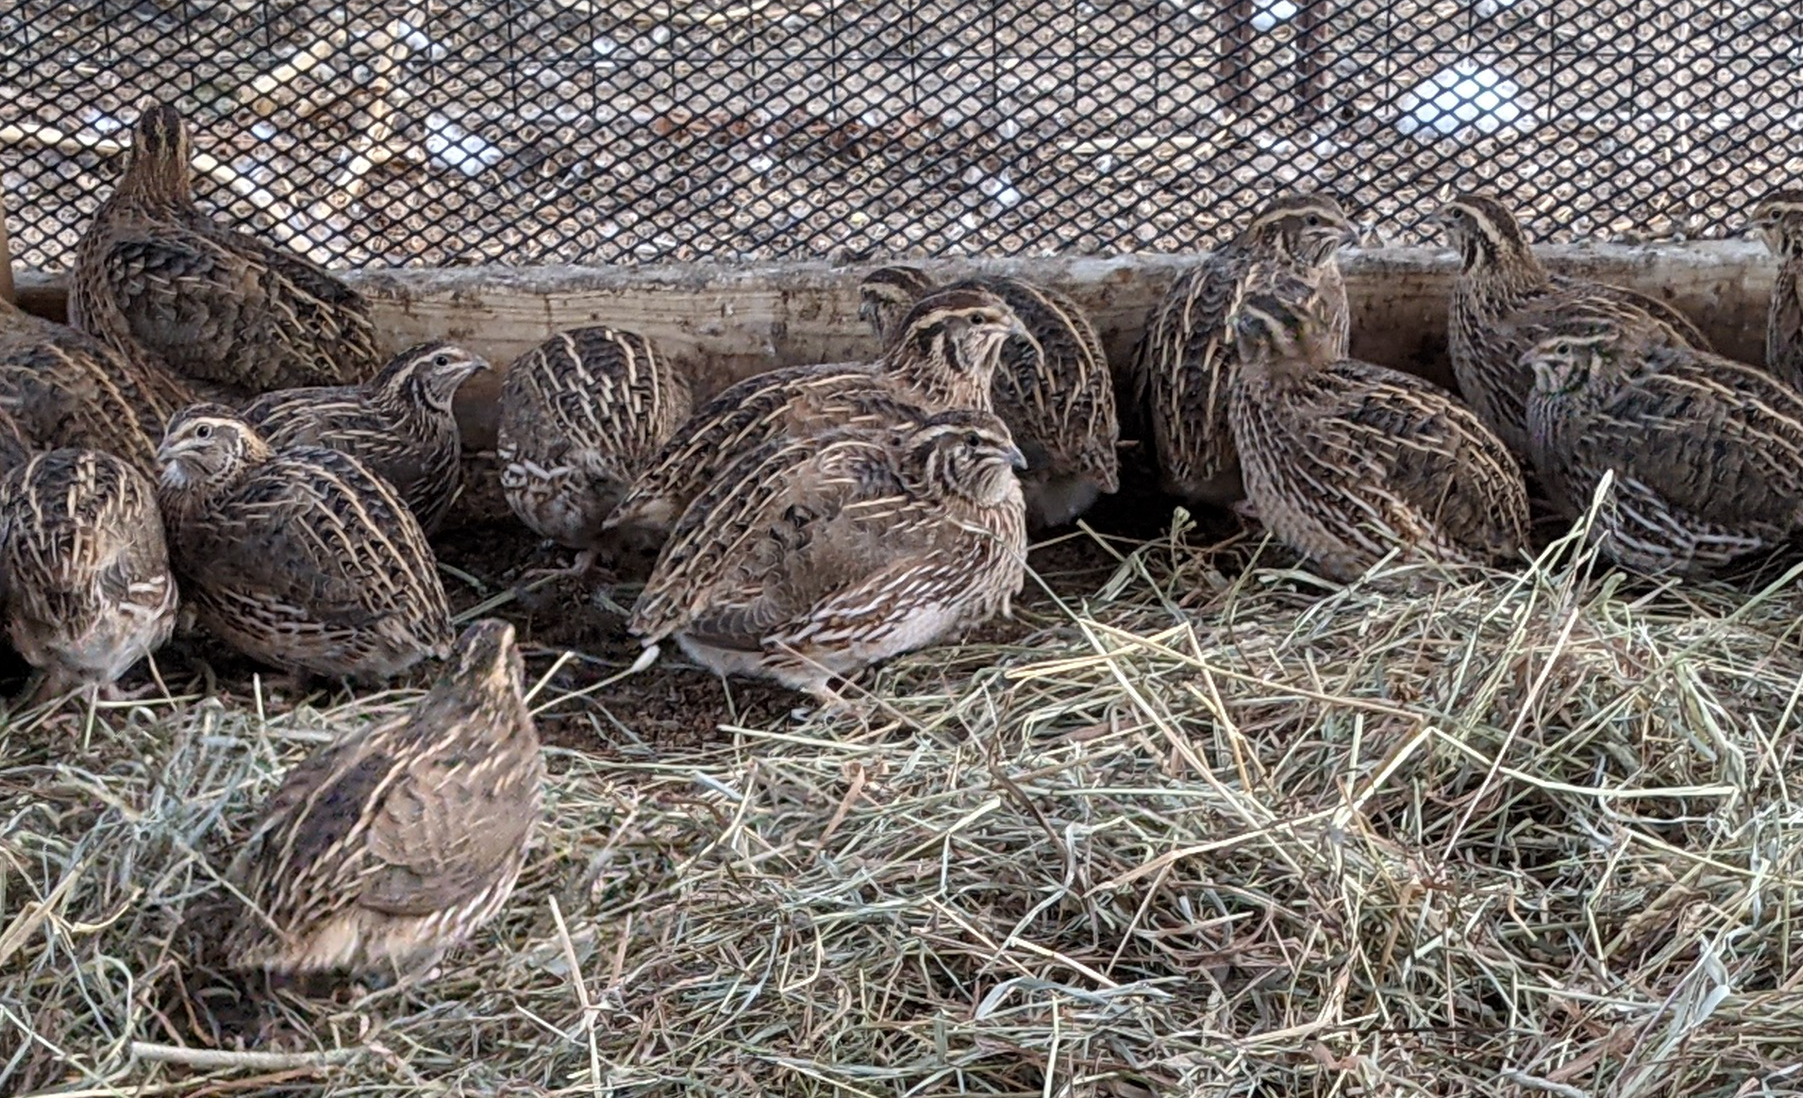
[(582, 415), (162, 280), (83, 568), (817, 555), (946, 357), (1504, 299), (1346, 461), (65, 388), (1706, 452), (1052, 388), (1779, 217), (399, 423), (1187, 359), (300, 558), (397, 842)]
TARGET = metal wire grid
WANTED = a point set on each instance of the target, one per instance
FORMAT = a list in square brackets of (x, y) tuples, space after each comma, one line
[(545, 131)]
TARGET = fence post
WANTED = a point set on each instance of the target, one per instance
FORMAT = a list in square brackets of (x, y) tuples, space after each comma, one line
[(7, 293)]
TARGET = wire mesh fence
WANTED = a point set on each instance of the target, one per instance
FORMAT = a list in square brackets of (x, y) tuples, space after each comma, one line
[(620, 131)]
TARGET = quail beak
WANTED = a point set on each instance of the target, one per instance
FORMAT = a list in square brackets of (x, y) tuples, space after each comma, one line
[(1352, 236), (1016, 459), (865, 308), (1543, 375), (168, 452)]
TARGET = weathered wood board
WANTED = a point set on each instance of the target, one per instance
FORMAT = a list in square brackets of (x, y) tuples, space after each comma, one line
[(726, 322)]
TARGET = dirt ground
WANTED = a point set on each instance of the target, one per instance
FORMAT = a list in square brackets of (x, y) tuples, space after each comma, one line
[(581, 622), (565, 131), (675, 702)]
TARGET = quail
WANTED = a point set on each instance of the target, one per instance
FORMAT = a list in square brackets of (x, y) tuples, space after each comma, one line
[(397, 841), (1052, 388), (1186, 360), (161, 280), (1504, 299), (814, 556), (300, 558), (399, 423), (1346, 461)]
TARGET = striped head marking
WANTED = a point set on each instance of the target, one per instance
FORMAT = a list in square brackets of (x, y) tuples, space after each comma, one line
[(1309, 228), (966, 453), (1482, 230), (1779, 219), (885, 296), (207, 444), (1565, 360), (961, 330), (428, 374)]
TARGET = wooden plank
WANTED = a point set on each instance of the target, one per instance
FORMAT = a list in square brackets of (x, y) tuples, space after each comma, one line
[(722, 323)]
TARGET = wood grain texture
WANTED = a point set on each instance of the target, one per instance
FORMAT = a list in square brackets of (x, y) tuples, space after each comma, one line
[(724, 323)]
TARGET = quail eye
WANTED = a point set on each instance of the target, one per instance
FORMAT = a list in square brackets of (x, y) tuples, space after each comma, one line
[(442, 360), (205, 430), (973, 439), (1562, 349), (1314, 219)]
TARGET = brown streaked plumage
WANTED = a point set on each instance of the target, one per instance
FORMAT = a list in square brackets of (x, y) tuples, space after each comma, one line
[(160, 279), (1504, 300), (396, 842), (817, 555), (83, 568), (303, 558), (1186, 361), (582, 416), (1706, 452), (1779, 217), (64, 388), (15, 447), (1052, 388), (399, 423), (1346, 461), (945, 358)]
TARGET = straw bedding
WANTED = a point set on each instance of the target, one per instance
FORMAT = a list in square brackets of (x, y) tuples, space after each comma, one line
[(1181, 829)]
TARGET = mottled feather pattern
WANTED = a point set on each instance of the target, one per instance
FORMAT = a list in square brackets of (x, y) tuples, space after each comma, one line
[(816, 555), (1707, 453), (65, 388), (1364, 460), (395, 843), (1186, 361), (944, 356), (1504, 301), (165, 282), (305, 559), (1779, 217), (742, 417), (399, 424), (582, 415), (85, 570), (1347, 461)]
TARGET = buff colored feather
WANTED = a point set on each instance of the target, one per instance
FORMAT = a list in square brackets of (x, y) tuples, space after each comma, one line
[(301, 558), (815, 556), (163, 281), (394, 844)]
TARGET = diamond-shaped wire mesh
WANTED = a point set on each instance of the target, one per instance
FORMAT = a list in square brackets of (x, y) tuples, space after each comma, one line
[(620, 131)]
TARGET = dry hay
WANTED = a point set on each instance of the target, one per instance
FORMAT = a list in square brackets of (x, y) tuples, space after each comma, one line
[(1527, 835)]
